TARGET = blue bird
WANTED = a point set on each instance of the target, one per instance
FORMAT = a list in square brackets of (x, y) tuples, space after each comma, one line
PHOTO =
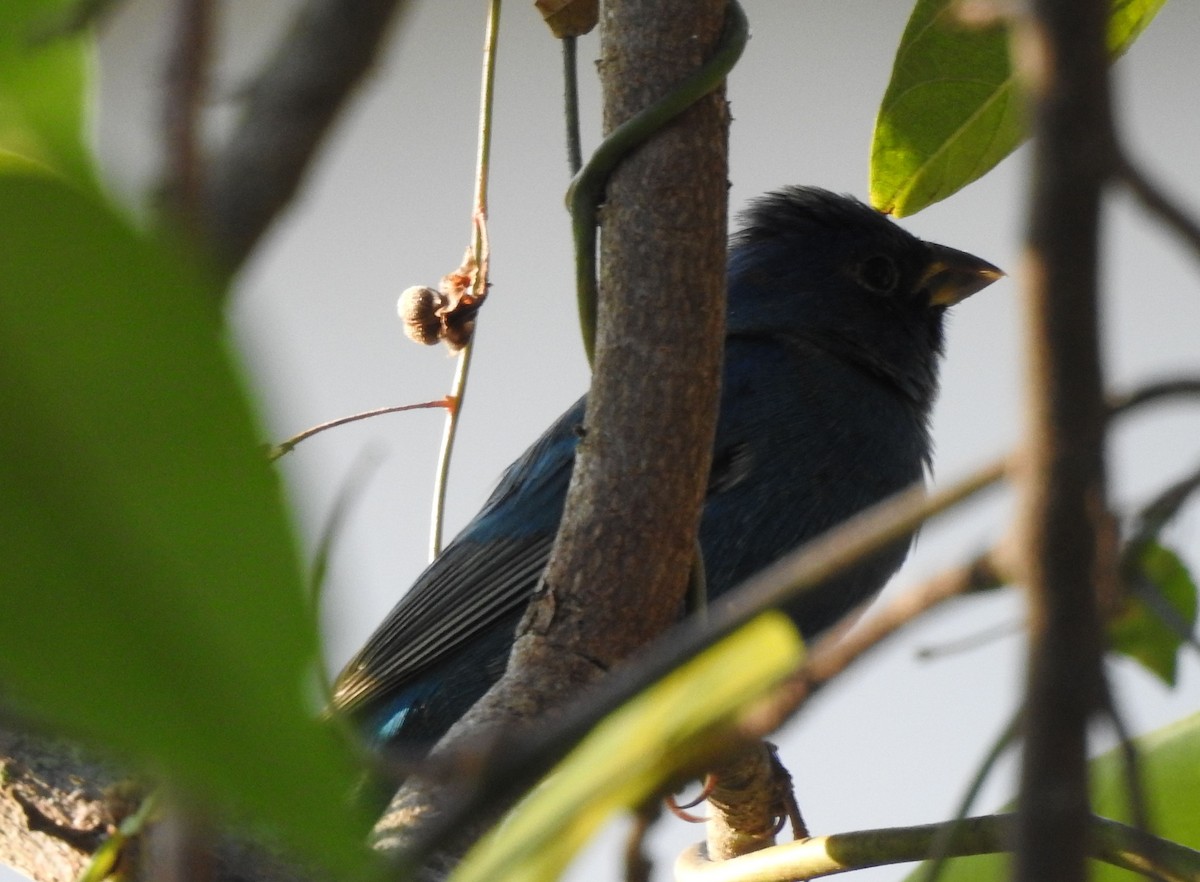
[(834, 333)]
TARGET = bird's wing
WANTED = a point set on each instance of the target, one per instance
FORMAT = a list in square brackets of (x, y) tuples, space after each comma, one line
[(488, 572)]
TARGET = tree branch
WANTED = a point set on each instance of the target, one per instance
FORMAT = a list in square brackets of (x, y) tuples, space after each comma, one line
[(59, 804), (617, 576), (482, 778), (1067, 536), (1106, 840), (331, 46)]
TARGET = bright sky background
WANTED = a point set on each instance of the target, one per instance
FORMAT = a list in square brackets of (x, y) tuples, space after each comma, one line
[(894, 742)]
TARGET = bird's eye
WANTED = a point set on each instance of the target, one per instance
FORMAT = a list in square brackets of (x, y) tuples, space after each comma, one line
[(879, 273)]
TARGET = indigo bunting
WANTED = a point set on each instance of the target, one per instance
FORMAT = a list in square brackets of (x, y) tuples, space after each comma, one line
[(833, 336)]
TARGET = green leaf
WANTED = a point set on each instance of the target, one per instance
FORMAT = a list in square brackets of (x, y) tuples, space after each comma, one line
[(1161, 588), (1169, 760), (43, 88), (152, 598), (634, 752), (953, 108)]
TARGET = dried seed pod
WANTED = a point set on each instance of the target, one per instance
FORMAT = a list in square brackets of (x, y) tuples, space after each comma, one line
[(419, 308)]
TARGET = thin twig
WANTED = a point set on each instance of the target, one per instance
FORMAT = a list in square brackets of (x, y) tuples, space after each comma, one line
[(842, 646), (1147, 393), (970, 642), (329, 47), (351, 491), (284, 447), (1130, 765), (1156, 201), (1156, 513), (479, 251), (1108, 841), (939, 851), (1148, 523)]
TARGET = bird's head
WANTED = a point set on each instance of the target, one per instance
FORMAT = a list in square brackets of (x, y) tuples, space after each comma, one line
[(834, 273)]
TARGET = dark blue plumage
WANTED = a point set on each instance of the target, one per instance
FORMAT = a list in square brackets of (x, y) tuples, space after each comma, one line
[(834, 331)]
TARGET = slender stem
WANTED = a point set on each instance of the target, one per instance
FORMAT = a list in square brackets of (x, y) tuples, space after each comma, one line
[(1158, 202), (479, 248), (286, 113), (571, 104), (1108, 841), (284, 447)]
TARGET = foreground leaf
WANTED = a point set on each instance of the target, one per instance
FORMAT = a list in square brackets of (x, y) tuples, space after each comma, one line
[(634, 752), (43, 88), (953, 108), (151, 594)]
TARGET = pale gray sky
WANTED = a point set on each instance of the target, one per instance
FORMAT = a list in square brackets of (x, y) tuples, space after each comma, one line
[(388, 207)]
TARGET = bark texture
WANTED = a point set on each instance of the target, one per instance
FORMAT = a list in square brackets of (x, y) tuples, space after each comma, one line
[(617, 576)]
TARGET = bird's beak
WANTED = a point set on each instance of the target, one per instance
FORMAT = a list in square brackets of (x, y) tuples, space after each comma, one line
[(952, 275)]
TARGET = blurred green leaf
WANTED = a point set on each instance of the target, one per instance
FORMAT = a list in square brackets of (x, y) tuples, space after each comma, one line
[(953, 108), (43, 88), (1169, 760), (634, 752), (1158, 577), (152, 597)]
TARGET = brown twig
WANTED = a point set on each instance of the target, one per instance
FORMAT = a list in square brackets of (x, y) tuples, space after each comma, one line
[(284, 447), (1066, 535), (1156, 201), (330, 47), (185, 85), (835, 651)]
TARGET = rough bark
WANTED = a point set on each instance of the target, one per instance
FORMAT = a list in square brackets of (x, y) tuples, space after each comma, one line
[(617, 577)]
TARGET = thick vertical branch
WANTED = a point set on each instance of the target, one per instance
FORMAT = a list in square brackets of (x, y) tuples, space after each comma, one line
[(628, 537), (617, 576), (1066, 527)]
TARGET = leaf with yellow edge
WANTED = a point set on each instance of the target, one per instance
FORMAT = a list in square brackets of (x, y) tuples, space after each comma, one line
[(633, 752), (953, 108)]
